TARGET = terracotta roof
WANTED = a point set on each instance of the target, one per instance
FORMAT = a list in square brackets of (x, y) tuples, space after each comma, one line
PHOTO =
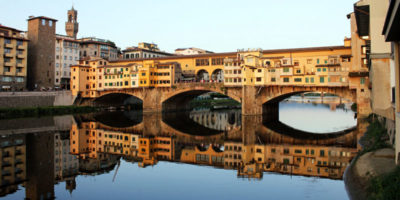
[(41, 17), (9, 28)]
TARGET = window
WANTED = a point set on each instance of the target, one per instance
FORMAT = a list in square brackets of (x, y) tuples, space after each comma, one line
[(322, 153), (318, 69), (318, 61), (324, 69), (297, 80), (273, 79), (309, 61), (362, 80), (307, 79), (258, 79), (43, 22), (50, 23), (286, 69), (321, 79), (286, 79)]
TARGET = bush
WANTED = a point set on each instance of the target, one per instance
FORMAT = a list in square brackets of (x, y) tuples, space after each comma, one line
[(386, 186)]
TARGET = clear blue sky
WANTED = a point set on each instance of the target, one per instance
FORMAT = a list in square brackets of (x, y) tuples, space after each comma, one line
[(215, 25)]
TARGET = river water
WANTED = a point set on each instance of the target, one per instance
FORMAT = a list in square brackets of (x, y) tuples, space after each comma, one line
[(200, 154)]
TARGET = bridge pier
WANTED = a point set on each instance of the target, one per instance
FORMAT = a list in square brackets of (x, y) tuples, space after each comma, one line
[(250, 105), (363, 102), (152, 101)]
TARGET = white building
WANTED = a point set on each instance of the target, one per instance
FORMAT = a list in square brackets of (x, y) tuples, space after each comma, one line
[(67, 54), (144, 50), (65, 164), (191, 51)]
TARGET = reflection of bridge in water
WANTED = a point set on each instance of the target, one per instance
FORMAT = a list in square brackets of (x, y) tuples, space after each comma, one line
[(252, 147)]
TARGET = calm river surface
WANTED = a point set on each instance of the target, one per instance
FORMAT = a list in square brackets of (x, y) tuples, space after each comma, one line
[(200, 154)]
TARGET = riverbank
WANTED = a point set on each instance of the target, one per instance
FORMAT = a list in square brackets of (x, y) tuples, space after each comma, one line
[(9, 113), (373, 173)]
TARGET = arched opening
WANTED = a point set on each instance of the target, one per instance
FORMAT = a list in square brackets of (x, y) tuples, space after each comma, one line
[(217, 75), (199, 99), (202, 75), (119, 99), (316, 112)]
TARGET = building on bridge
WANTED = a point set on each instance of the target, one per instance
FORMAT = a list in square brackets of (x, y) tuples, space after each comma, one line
[(264, 73)]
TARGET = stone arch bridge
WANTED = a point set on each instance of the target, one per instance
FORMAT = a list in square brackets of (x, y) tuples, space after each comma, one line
[(255, 100)]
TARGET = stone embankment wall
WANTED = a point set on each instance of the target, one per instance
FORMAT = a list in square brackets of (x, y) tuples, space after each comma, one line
[(35, 99)]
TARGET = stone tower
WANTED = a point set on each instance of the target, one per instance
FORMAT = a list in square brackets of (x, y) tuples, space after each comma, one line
[(41, 48), (71, 26)]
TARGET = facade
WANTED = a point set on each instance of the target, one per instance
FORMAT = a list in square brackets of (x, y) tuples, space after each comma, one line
[(41, 47), (95, 75), (191, 51), (95, 47), (391, 33), (320, 66), (13, 59), (67, 54), (368, 22), (144, 50)]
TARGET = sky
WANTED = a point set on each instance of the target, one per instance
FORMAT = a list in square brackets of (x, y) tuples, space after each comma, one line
[(214, 25)]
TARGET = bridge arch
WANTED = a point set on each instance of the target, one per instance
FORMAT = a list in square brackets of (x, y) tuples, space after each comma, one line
[(179, 99), (116, 99), (280, 95)]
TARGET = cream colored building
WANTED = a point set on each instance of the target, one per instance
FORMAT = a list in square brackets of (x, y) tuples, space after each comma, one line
[(67, 54), (13, 59), (191, 51), (391, 33), (144, 50)]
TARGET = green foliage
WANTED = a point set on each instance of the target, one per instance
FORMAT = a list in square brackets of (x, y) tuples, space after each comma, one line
[(375, 137), (8, 113), (386, 186)]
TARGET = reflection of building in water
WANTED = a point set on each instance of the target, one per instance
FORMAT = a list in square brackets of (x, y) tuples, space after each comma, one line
[(90, 141), (155, 148), (310, 160), (12, 162), (66, 165), (252, 150), (40, 166), (206, 155), (222, 120)]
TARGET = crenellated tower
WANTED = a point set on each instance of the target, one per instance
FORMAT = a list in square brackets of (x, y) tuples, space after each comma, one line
[(71, 26)]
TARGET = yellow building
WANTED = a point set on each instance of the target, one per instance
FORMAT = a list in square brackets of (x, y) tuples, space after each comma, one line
[(12, 162), (13, 59), (318, 66)]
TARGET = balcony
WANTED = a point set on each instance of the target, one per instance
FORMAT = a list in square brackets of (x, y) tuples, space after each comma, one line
[(8, 64), (20, 56), (20, 65), (9, 45), (21, 47), (8, 55)]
